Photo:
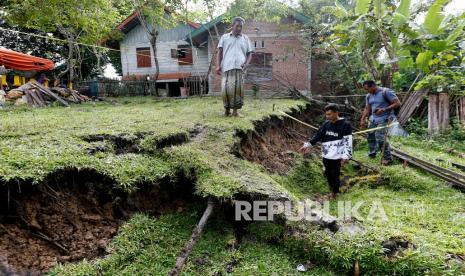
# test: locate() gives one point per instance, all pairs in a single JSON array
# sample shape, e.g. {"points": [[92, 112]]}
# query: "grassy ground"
{"points": [[420, 208], [37, 142], [441, 151], [147, 246]]}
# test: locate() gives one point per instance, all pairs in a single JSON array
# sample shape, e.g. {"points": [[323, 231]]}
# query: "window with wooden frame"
{"points": [[184, 54], [144, 59]]}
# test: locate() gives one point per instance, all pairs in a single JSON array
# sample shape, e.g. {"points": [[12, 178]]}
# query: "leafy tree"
{"points": [[84, 21], [261, 10], [385, 37], [155, 16], [29, 44], [313, 9]]}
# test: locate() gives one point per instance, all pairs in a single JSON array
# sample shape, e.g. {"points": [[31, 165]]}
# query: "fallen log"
{"points": [[185, 252]]}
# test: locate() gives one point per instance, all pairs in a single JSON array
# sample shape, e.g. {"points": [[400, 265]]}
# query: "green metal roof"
{"points": [[300, 16], [207, 26]]}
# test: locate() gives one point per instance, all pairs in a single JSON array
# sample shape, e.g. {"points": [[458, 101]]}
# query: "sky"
{"points": [[456, 7]]}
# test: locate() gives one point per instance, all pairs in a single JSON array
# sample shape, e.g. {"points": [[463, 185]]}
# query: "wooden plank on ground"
{"points": [[29, 99], [36, 98], [48, 92]]}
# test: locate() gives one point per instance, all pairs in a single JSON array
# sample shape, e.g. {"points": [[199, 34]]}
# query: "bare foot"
{"points": [[236, 114], [385, 162]]}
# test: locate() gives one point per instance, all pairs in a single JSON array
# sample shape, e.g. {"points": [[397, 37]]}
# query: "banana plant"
{"points": [[377, 28]]}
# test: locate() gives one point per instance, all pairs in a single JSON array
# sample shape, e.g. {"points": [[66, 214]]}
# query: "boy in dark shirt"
{"points": [[335, 136]]}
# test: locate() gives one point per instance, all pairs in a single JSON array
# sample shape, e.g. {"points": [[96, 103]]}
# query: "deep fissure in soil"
{"points": [[74, 215], [274, 140], [130, 143]]}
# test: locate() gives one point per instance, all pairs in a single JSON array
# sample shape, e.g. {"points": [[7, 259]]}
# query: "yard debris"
{"points": [[301, 268], [37, 95], [20, 101], [70, 95], [187, 249], [395, 245], [305, 267], [2, 98]]}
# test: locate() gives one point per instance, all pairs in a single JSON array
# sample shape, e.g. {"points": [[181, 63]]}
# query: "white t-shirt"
{"points": [[235, 50]]}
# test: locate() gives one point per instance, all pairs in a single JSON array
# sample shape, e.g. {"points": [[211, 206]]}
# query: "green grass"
{"points": [[433, 150], [306, 179], [419, 208], [149, 246], [35, 143]]}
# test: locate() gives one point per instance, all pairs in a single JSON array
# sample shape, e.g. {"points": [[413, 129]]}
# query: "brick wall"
{"points": [[289, 59]]}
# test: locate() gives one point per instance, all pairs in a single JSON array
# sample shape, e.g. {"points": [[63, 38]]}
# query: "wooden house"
{"points": [[186, 51]]}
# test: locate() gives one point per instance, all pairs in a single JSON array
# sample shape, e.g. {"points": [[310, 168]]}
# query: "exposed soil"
{"points": [[122, 143], [129, 143], [395, 246], [274, 139], [73, 217]]}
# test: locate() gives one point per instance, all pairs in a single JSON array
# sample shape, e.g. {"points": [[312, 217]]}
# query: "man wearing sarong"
{"points": [[234, 55]]}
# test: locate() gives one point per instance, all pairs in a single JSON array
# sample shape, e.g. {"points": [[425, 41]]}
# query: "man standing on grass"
{"points": [[335, 136], [380, 105], [234, 55]]}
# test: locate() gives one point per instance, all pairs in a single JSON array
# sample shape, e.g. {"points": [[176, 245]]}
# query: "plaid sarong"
{"points": [[232, 89]]}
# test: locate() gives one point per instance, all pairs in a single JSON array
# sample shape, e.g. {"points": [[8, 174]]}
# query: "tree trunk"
{"points": [[371, 64], [309, 64], [70, 61], [210, 83], [392, 56], [153, 43], [98, 55]]}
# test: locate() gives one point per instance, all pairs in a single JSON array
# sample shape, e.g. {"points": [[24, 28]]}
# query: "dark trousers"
{"points": [[376, 139], [332, 173]]}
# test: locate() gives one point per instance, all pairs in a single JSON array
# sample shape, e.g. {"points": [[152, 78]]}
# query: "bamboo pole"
{"points": [[185, 252]]}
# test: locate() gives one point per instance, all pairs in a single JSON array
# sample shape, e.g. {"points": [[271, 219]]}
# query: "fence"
{"points": [[114, 88]]}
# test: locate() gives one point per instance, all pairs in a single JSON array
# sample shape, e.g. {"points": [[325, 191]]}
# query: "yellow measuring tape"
{"points": [[355, 133], [295, 119]]}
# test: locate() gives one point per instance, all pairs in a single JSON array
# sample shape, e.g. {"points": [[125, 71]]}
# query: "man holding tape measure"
{"points": [[381, 106], [335, 136]]}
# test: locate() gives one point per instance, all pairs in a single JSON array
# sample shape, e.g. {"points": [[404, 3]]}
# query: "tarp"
{"points": [[22, 62]]}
